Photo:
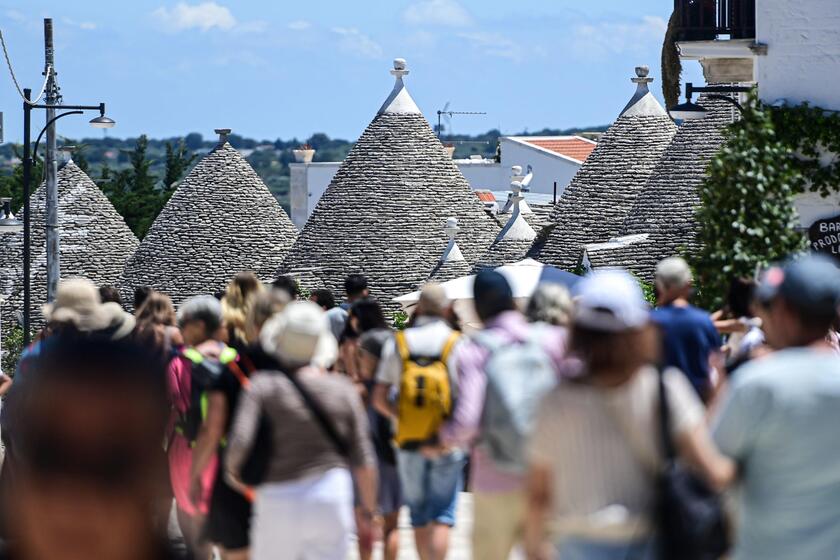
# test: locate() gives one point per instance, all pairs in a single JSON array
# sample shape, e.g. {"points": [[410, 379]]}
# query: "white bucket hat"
{"points": [[77, 302], [299, 336]]}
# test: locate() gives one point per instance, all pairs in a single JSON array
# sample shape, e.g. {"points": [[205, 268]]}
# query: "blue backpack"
{"points": [[519, 374]]}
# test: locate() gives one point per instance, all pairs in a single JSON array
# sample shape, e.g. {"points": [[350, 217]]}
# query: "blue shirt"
{"points": [[780, 421], [688, 338]]}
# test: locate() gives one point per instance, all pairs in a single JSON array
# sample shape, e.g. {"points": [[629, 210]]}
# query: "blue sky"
{"points": [[270, 69]]}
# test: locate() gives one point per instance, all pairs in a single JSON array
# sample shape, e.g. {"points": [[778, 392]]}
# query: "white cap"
{"points": [[610, 300], [300, 336]]}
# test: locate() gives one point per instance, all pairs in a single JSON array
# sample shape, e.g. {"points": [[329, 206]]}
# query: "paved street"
{"points": [[460, 542]]}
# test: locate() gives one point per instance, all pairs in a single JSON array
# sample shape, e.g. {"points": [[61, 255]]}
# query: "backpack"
{"points": [[425, 398], [518, 374], [204, 372]]}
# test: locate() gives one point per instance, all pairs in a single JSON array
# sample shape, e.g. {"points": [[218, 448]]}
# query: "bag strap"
{"points": [[448, 345], [665, 418], [239, 374], [320, 416], [402, 346]]}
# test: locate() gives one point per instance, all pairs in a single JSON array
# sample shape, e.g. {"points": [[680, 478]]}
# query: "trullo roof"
{"points": [[94, 242], [221, 220], [596, 203], [384, 212]]}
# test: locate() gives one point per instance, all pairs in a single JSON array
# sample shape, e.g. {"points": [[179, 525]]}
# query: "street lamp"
{"points": [[690, 111], [98, 122]]}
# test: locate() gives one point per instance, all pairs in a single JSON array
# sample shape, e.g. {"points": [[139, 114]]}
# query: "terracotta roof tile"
{"points": [[572, 147]]}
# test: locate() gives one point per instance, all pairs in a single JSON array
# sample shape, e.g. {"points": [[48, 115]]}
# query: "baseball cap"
{"points": [[610, 300], [811, 284]]}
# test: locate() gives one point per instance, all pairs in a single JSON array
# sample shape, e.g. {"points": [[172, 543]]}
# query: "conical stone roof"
{"points": [[596, 203], [666, 206], [221, 220], [94, 241], [383, 213]]}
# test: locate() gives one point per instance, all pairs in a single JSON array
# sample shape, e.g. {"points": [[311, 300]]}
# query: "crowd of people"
{"points": [[586, 424]]}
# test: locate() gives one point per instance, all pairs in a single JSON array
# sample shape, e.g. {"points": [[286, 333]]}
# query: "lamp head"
{"points": [[102, 122], [688, 111]]}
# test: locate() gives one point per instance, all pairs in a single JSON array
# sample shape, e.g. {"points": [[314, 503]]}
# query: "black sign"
{"points": [[825, 236]]}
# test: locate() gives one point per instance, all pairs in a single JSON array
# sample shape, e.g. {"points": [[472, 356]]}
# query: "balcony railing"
{"points": [[705, 20]]}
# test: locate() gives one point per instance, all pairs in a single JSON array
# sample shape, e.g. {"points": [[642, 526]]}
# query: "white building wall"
{"points": [[484, 174], [803, 51], [547, 167], [307, 184], [802, 64]]}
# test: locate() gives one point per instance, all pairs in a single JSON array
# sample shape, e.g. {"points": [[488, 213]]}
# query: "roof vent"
{"points": [[223, 134]]}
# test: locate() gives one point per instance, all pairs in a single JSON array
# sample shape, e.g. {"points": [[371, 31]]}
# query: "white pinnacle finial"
{"points": [[399, 101], [452, 252]]}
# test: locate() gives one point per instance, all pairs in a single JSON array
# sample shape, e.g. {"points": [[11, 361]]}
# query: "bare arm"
{"points": [[5, 384], [380, 401], [697, 448], [538, 506]]}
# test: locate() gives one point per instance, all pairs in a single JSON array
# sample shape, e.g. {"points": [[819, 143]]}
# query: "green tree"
{"points": [[746, 217], [12, 185], [178, 160], [134, 192]]}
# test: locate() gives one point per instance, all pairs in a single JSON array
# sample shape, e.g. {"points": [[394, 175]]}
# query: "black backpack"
{"points": [[204, 373]]}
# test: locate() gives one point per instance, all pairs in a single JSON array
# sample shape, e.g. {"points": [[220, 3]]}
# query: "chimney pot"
{"points": [[223, 134], [400, 68]]}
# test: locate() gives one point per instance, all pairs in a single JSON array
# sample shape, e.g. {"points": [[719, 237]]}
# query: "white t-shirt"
{"points": [[426, 339], [603, 482]]}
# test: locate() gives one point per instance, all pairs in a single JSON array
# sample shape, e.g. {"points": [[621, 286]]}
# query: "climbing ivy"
{"points": [[746, 215]]}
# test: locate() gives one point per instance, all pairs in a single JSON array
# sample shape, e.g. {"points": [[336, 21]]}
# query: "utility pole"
{"points": [[51, 165]]}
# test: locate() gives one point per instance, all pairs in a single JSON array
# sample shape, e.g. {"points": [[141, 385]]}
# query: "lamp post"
{"points": [[690, 111], [97, 122]]}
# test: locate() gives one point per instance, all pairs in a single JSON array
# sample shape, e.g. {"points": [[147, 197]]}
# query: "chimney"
{"points": [[223, 134], [452, 252]]}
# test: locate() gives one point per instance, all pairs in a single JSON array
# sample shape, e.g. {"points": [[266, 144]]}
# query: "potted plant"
{"points": [[450, 149], [304, 153]]}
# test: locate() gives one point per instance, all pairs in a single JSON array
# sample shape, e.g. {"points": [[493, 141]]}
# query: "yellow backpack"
{"points": [[425, 399]]}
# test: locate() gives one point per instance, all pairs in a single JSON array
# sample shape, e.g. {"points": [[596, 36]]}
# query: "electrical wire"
{"points": [[14, 79]]}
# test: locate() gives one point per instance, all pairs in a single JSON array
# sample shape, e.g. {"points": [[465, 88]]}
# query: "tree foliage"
{"points": [[746, 217]]}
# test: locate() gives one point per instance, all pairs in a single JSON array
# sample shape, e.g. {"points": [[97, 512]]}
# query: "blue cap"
{"points": [[811, 284]]}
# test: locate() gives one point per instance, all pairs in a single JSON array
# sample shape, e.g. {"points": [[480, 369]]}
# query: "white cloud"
{"points": [[83, 25], [437, 12], [606, 38], [299, 25], [494, 44], [204, 16], [15, 15], [356, 42], [87, 25]]}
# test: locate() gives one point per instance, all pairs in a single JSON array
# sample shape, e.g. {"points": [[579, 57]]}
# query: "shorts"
{"points": [[229, 519], [430, 487]]}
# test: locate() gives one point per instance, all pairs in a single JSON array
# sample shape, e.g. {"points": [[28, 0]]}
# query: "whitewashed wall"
{"points": [[803, 51], [547, 167]]}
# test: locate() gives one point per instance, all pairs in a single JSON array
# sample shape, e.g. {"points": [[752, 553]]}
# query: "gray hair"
{"points": [[673, 272], [550, 303], [206, 309]]}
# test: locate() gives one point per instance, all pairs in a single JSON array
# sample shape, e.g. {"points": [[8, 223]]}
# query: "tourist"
{"points": [[335, 314], [355, 288], [596, 450], [110, 293], [689, 338], [738, 323], [508, 356], [287, 284], [236, 303], [779, 419], [374, 335], [365, 315], [430, 484], [229, 518], [140, 295], [304, 505], [88, 454], [550, 304], [199, 318], [157, 324]]}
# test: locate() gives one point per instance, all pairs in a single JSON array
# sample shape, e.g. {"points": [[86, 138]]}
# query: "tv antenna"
{"points": [[447, 114]]}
